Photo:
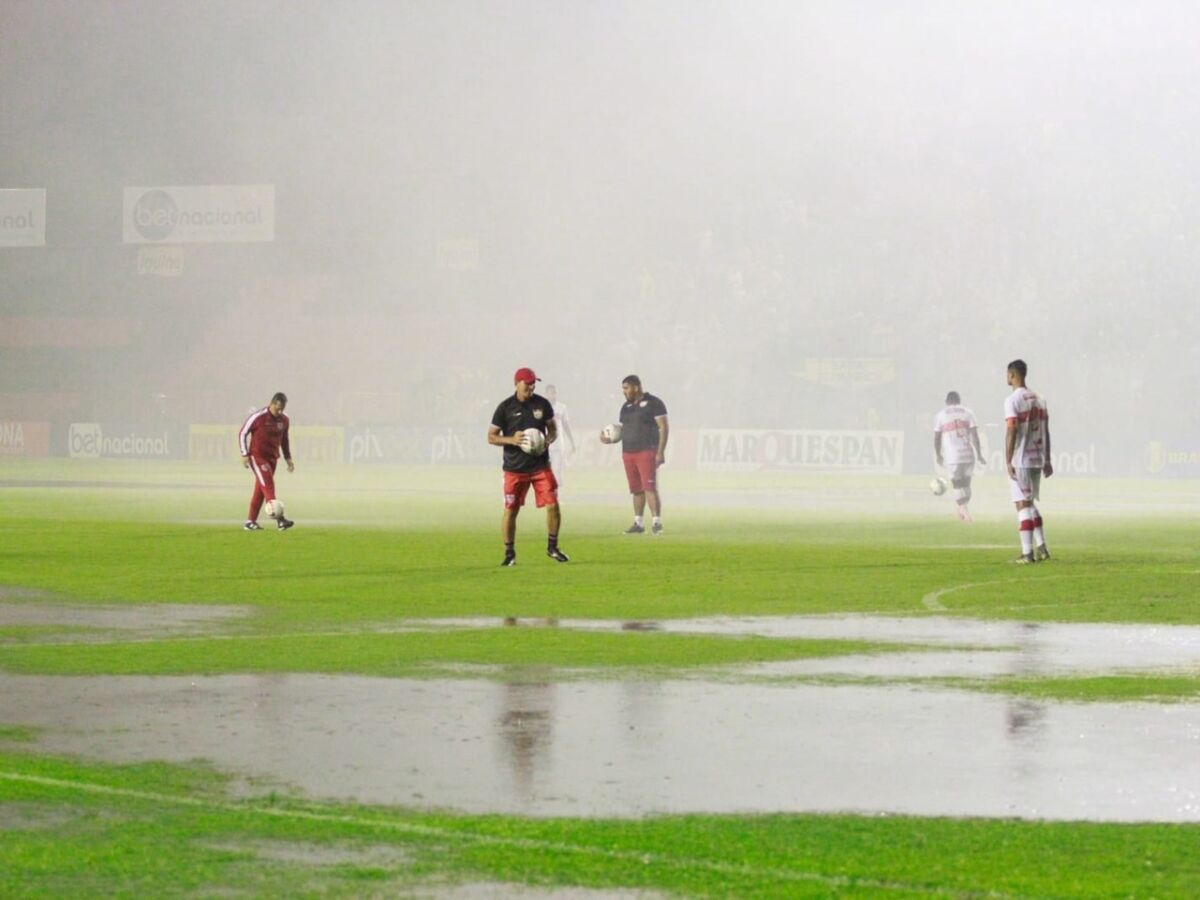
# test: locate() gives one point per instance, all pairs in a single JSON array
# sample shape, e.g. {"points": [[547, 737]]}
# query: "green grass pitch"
{"points": [[374, 549]]}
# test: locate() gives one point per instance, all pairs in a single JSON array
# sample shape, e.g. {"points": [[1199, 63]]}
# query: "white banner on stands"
{"points": [[221, 213], [22, 217]]}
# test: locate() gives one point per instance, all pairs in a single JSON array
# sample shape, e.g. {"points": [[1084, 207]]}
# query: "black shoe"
{"points": [[635, 528], [510, 559], [252, 526], [656, 528], [284, 524], [557, 555]]}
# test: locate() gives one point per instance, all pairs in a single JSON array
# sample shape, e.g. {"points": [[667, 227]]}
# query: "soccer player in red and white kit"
{"points": [[956, 446], [262, 437], [1027, 455], [521, 410]]}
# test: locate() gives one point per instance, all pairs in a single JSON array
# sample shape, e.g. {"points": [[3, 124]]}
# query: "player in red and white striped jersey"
{"points": [[956, 446], [262, 436], [1027, 455]]}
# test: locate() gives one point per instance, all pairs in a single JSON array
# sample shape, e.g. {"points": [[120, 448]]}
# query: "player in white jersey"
{"points": [[956, 446], [557, 456], [1027, 454]]}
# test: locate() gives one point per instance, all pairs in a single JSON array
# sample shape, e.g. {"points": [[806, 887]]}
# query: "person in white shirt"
{"points": [[557, 455], [1027, 455], [956, 447]]}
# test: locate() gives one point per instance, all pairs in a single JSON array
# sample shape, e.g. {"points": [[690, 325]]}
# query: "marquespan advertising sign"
{"points": [[222, 213], [22, 217], [93, 440], [24, 438], [848, 451], [309, 443]]}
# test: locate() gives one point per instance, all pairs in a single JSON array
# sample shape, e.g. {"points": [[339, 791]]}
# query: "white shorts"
{"points": [[961, 471], [1025, 486]]}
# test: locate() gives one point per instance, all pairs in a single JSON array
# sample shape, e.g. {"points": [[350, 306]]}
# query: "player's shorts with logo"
{"points": [[641, 470], [1026, 485], [516, 486]]}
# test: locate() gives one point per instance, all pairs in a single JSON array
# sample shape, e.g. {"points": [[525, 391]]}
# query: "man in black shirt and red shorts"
{"points": [[526, 465], [644, 432]]}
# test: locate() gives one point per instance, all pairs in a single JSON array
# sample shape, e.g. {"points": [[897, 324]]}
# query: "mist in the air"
{"points": [[783, 216]]}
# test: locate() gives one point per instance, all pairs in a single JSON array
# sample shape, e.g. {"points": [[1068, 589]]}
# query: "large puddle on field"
{"points": [[132, 621], [996, 648], [631, 748]]}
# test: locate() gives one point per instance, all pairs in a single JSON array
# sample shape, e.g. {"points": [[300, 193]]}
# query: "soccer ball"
{"points": [[274, 509], [612, 433], [938, 486], [533, 441]]}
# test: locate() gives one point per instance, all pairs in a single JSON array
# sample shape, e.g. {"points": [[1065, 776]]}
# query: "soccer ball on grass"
{"points": [[938, 486], [274, 509]]}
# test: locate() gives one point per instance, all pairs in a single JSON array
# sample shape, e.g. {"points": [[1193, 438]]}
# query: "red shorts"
{"points": [[641, 467], [516, 486], [264, 476]]}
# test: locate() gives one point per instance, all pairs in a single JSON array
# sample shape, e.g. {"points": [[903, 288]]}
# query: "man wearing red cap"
{"points": [[525, 463]]}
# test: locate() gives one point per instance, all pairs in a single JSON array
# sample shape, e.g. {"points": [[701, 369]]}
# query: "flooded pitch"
{"points": [[993, 648], [632, 748]]}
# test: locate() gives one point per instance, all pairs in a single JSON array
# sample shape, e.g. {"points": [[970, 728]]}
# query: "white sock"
{"points": [[1023, 516], [637, 520], [657, 520], [1039, 536]]}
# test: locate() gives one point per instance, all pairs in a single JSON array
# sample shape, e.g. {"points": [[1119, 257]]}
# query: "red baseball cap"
{"points": [[526, 375]]}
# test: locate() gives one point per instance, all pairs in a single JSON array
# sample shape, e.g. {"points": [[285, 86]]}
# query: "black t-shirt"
{"points": [[512, 416], [639, 431]]}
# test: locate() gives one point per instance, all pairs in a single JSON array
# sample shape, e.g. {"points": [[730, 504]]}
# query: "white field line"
{"points": [[932, 600], [639, 858]]}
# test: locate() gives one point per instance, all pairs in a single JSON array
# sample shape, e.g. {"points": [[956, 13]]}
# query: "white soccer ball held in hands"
{"points": [[611, 433], [533, 441]]}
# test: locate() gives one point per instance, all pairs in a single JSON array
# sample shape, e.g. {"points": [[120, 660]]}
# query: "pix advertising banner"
{"points": [[735, 450], [24, 438], [419, 446], [222, 213], [309, 443], [96, 440], [22, 217]]}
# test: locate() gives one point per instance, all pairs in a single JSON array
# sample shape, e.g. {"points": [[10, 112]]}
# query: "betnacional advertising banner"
{"points": [[736, 450], [96, 440], [22, 217], [223, 213]]}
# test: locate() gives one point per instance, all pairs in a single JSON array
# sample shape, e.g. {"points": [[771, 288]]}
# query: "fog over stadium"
{"points": [[782, 215]]}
